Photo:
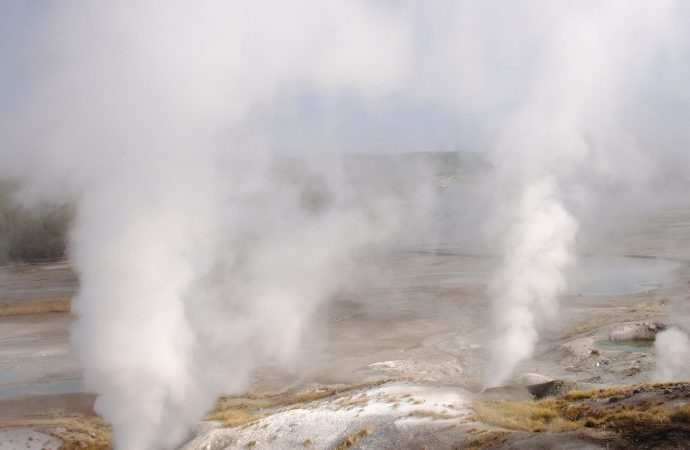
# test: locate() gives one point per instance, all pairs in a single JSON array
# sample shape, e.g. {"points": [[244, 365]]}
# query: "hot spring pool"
{"points": [[620, 275], [632, 345]]}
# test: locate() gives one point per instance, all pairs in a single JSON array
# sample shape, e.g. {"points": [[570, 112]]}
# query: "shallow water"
{"points": [[620, 275], [594, 275], [35, 357], [634, 346], [49, 388]]}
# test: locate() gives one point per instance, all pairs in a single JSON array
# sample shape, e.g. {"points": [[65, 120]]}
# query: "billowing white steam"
{"points": [[538, 247], [672, 348], [567, 128], [199, 258], [199, 255]]}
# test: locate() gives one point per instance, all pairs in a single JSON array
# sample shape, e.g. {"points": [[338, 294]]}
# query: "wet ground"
{"points": [[424, 314], [428, 317], [420, 313], [36, 282], [35, 358]]}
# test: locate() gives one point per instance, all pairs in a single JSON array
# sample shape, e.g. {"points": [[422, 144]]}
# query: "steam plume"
{"points": [[568, 125], [198, 257], [672, 355], [538, 247]]}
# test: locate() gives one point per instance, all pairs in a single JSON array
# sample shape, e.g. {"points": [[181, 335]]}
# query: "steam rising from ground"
{"points": [[672, 355], [672, 346], [200, 256], [567, 129], [538, 247]]}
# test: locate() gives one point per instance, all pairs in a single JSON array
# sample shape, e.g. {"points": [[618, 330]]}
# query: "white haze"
{"points": [[672, 349], [567, 125], [199, 259], [672, 346]]}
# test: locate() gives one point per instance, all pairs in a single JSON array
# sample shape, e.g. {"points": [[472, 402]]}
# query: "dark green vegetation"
{"points": [[32, 233]]}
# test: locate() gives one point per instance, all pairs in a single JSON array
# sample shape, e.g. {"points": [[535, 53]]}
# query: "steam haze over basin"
{"points": [[233, 168]]}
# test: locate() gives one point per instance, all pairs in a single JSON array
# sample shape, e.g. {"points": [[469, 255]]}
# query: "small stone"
{"points": [[614, 399]]}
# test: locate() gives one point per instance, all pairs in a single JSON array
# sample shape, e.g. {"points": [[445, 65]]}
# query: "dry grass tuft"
{"points": [[75, 432], [234, 417], [580, 395], [354, 438], [566, 413], [681, 414], [354, 401], [486, 438], [432, 414], [308, 443], [536, 416], [600, 393], [27, 307], [661, 385]]}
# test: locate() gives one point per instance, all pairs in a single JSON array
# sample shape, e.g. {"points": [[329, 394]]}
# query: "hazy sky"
{"points": [[338, 120], [16, 20], [454, 80]]}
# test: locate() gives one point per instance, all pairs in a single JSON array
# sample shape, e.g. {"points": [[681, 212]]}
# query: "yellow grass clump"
{"points": [[27, 307], [599, 393], [542, 415], [75, 432], [233, 417], [436, 415], [354, 438], [486, 438], [561, 414]]}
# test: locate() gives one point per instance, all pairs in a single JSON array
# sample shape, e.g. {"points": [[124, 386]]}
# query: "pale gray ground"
{"points": [[421, 314], [36, 282], [26, 439], [35, 356]]}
